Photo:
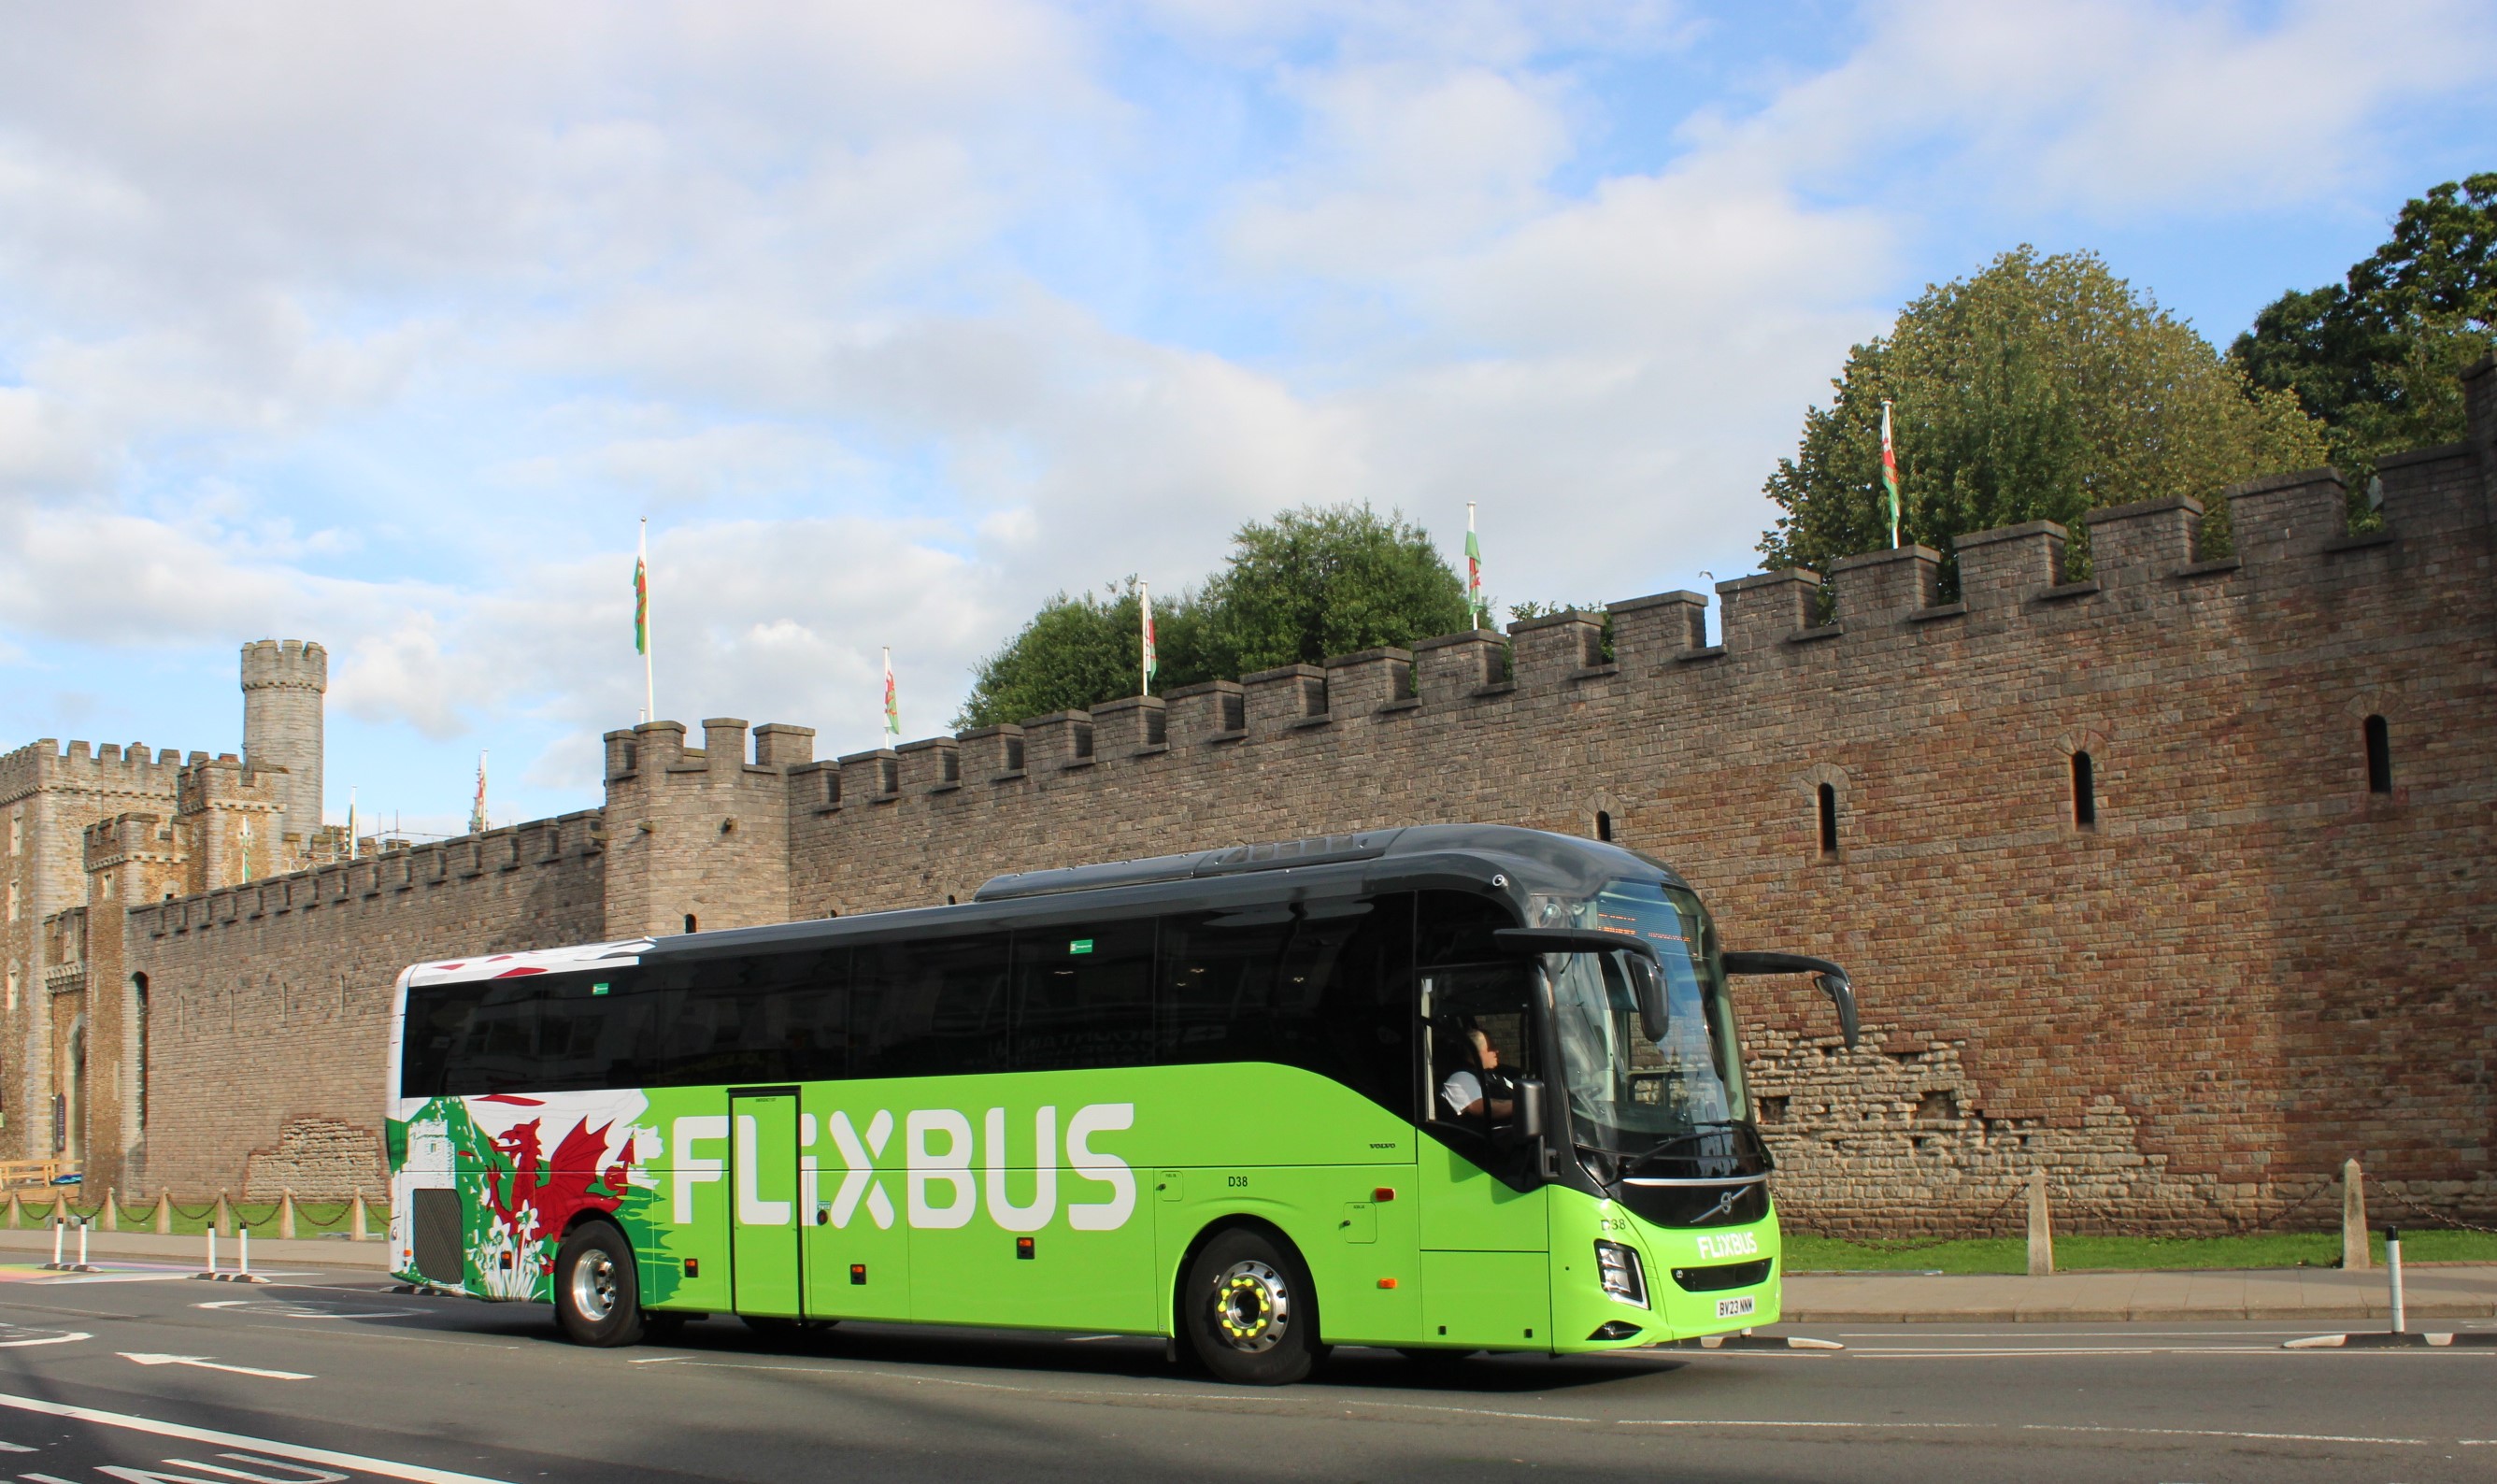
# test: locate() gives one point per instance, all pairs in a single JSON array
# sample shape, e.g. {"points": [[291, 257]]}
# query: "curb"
{"points": [[2144, 1315]]}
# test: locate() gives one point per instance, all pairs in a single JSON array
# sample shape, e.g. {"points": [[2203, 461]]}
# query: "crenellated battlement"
{"points": [[98, 768], [293, 663], [377, 881]]}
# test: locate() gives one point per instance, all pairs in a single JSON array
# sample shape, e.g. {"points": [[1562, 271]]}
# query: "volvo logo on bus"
{"points": [[943, 1186]]}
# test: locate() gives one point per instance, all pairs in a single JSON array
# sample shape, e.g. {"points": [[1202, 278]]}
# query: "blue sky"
{"points": [[382, 327]]}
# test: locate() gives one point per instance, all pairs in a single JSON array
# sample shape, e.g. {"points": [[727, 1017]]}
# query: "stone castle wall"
{"points": [[2248, 967], [2247, 970], [269, 1002]]}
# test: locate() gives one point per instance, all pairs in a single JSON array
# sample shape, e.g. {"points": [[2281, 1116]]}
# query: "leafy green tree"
{"points": [[2039, 387], [2379, 357], [1309, 583], [1078, 652], [1317, 582]]}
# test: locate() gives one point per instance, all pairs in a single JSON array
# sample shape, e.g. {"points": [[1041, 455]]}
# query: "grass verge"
{"points": [[1806, 1254]]}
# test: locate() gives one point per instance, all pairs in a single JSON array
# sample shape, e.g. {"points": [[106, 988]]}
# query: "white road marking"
{"points": [[416, 1474], [16, 1447], [2024, 1426], [63, 1338], [303, 1308], [203, 1362]]}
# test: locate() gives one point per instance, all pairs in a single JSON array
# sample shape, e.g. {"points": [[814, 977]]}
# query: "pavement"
{"points": [[136, 1374], [2455, 1292]]}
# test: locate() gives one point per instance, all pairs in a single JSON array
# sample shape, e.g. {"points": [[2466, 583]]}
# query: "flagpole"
{"points": [[649, 689]]}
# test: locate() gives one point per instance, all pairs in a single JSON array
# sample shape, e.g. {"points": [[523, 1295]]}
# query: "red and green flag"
{"points": [[1474, 568], [1152, 662], [1890, 472], [892, 709]]}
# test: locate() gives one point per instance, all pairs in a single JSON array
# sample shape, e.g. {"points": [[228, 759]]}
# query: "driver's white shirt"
{"points": [[1463, 1089]]}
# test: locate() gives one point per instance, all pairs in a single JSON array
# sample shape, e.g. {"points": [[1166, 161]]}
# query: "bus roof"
{"points": [[1499, 859]]}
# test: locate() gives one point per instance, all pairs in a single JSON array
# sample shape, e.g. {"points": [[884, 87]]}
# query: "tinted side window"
{"points": [[763, 1018], [437, 1027], [1347, 1000], [1456, 927], [499, 1050], [1217, 984], [1084, 995], [931, 1008], [597, 1030]]}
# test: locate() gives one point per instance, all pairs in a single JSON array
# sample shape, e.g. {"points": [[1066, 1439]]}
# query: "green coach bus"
{"points": [[1446, 1089]]}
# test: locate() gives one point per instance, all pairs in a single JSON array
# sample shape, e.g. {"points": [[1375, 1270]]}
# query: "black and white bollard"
{"points": [[2393, 1271]]}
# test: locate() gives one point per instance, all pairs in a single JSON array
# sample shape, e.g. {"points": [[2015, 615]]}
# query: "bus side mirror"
{"points": [[1841, 995], [1529, 1108], [1646, 984]]}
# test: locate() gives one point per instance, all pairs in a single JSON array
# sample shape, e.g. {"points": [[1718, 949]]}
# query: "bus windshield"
{"points": [[1628, 1095]]}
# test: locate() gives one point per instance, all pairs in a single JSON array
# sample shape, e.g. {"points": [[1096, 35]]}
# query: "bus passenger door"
{"points": [[858, 1240], [763, 1182], [1485, 1246]]}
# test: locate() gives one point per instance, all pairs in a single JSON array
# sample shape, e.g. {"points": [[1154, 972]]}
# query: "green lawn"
{"points": [[312, 1218], [2010, 1254]]}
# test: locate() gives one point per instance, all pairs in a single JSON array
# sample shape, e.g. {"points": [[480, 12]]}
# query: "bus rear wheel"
{"points": [[597, 1295], [1249, 1310]]}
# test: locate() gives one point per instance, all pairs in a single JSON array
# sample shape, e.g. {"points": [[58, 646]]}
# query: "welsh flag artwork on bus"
{"points": [[524, 1168]]}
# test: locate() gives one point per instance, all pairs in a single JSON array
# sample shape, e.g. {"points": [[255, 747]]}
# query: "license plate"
{"points": [[1734, 1308]]}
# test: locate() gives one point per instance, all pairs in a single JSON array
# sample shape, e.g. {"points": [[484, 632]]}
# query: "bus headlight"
{"points": [[1618, 1268]]}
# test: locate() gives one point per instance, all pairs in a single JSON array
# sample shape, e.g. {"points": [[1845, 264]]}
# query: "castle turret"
{"points": [[282, 684]]}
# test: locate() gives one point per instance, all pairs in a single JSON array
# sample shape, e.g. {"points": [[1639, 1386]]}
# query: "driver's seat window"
{"points": [[1478, 1044]]}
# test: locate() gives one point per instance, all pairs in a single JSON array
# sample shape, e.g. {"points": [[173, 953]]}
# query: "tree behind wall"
{"points": [[1309, 583], [2039, 387], [2379, 357]]}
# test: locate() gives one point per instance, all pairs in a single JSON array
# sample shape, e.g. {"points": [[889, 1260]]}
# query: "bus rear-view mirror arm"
{"points": [[1638, 962], [1830, 979]]}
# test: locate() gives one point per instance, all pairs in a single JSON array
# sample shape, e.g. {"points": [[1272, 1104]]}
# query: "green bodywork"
{"points": [[1407, 1243]]}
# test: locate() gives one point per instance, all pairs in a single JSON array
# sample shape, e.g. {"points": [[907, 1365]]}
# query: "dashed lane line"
{"points": [[415, 1474]]}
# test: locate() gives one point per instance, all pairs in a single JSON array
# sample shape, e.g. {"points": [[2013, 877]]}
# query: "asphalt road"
{"points": [[112, 1379]]}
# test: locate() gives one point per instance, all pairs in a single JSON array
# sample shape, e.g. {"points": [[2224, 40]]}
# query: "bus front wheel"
{"points": [[597, 1298], [1249, 1310]]}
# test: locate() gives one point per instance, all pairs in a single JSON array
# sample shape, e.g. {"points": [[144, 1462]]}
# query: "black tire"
{"points": [[1249, 1313], [597, 1288]]}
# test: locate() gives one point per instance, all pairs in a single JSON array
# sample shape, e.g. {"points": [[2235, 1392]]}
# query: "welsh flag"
{"points": [[1473, 567], [1153, 660], [1890, 472], [642, 601], [892, 709]]}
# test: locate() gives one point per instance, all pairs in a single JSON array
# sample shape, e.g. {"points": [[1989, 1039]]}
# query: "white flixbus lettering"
{"points": [[950, 1168], [1044, 1173], [691, 1170], [858, 1181], [1106, 1169], [751, 1209]]}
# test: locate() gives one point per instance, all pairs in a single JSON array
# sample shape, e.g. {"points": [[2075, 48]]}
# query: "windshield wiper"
{"points": [[1707, 1129]]}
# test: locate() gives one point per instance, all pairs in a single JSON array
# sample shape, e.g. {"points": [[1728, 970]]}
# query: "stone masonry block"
{"points": [[1359, 685], [990, 753], [2287, 515], [621, 755], [724, 745], [1885, 586], [866, 776], [1761, 611], [1124, 727], [2433, 492], [1214, 708], [1650, 630], [1056, 742], [778, 745], [1282, 696], [1455, 665], [1999, 568], [662, 744], [930, 764], [2137, 542], [1549, 649]]}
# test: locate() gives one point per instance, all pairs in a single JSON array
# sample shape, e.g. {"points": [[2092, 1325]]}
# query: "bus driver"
{"points": [[1464, 1090]]}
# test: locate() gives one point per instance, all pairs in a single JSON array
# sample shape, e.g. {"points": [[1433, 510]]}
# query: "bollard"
{"points": [[213, 1253], [83, 1266], [242, 1256], [110, 1218], [2393, 1271], [286, 1213], [356, 1213], [61, 1207], [56, 1243], [2042, 1229], [16, 1213], [165, 1214], [2353, 1217], [224, 1216]]}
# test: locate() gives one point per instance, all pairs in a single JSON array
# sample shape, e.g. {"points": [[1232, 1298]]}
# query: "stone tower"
{"points": [[282, 684]]}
